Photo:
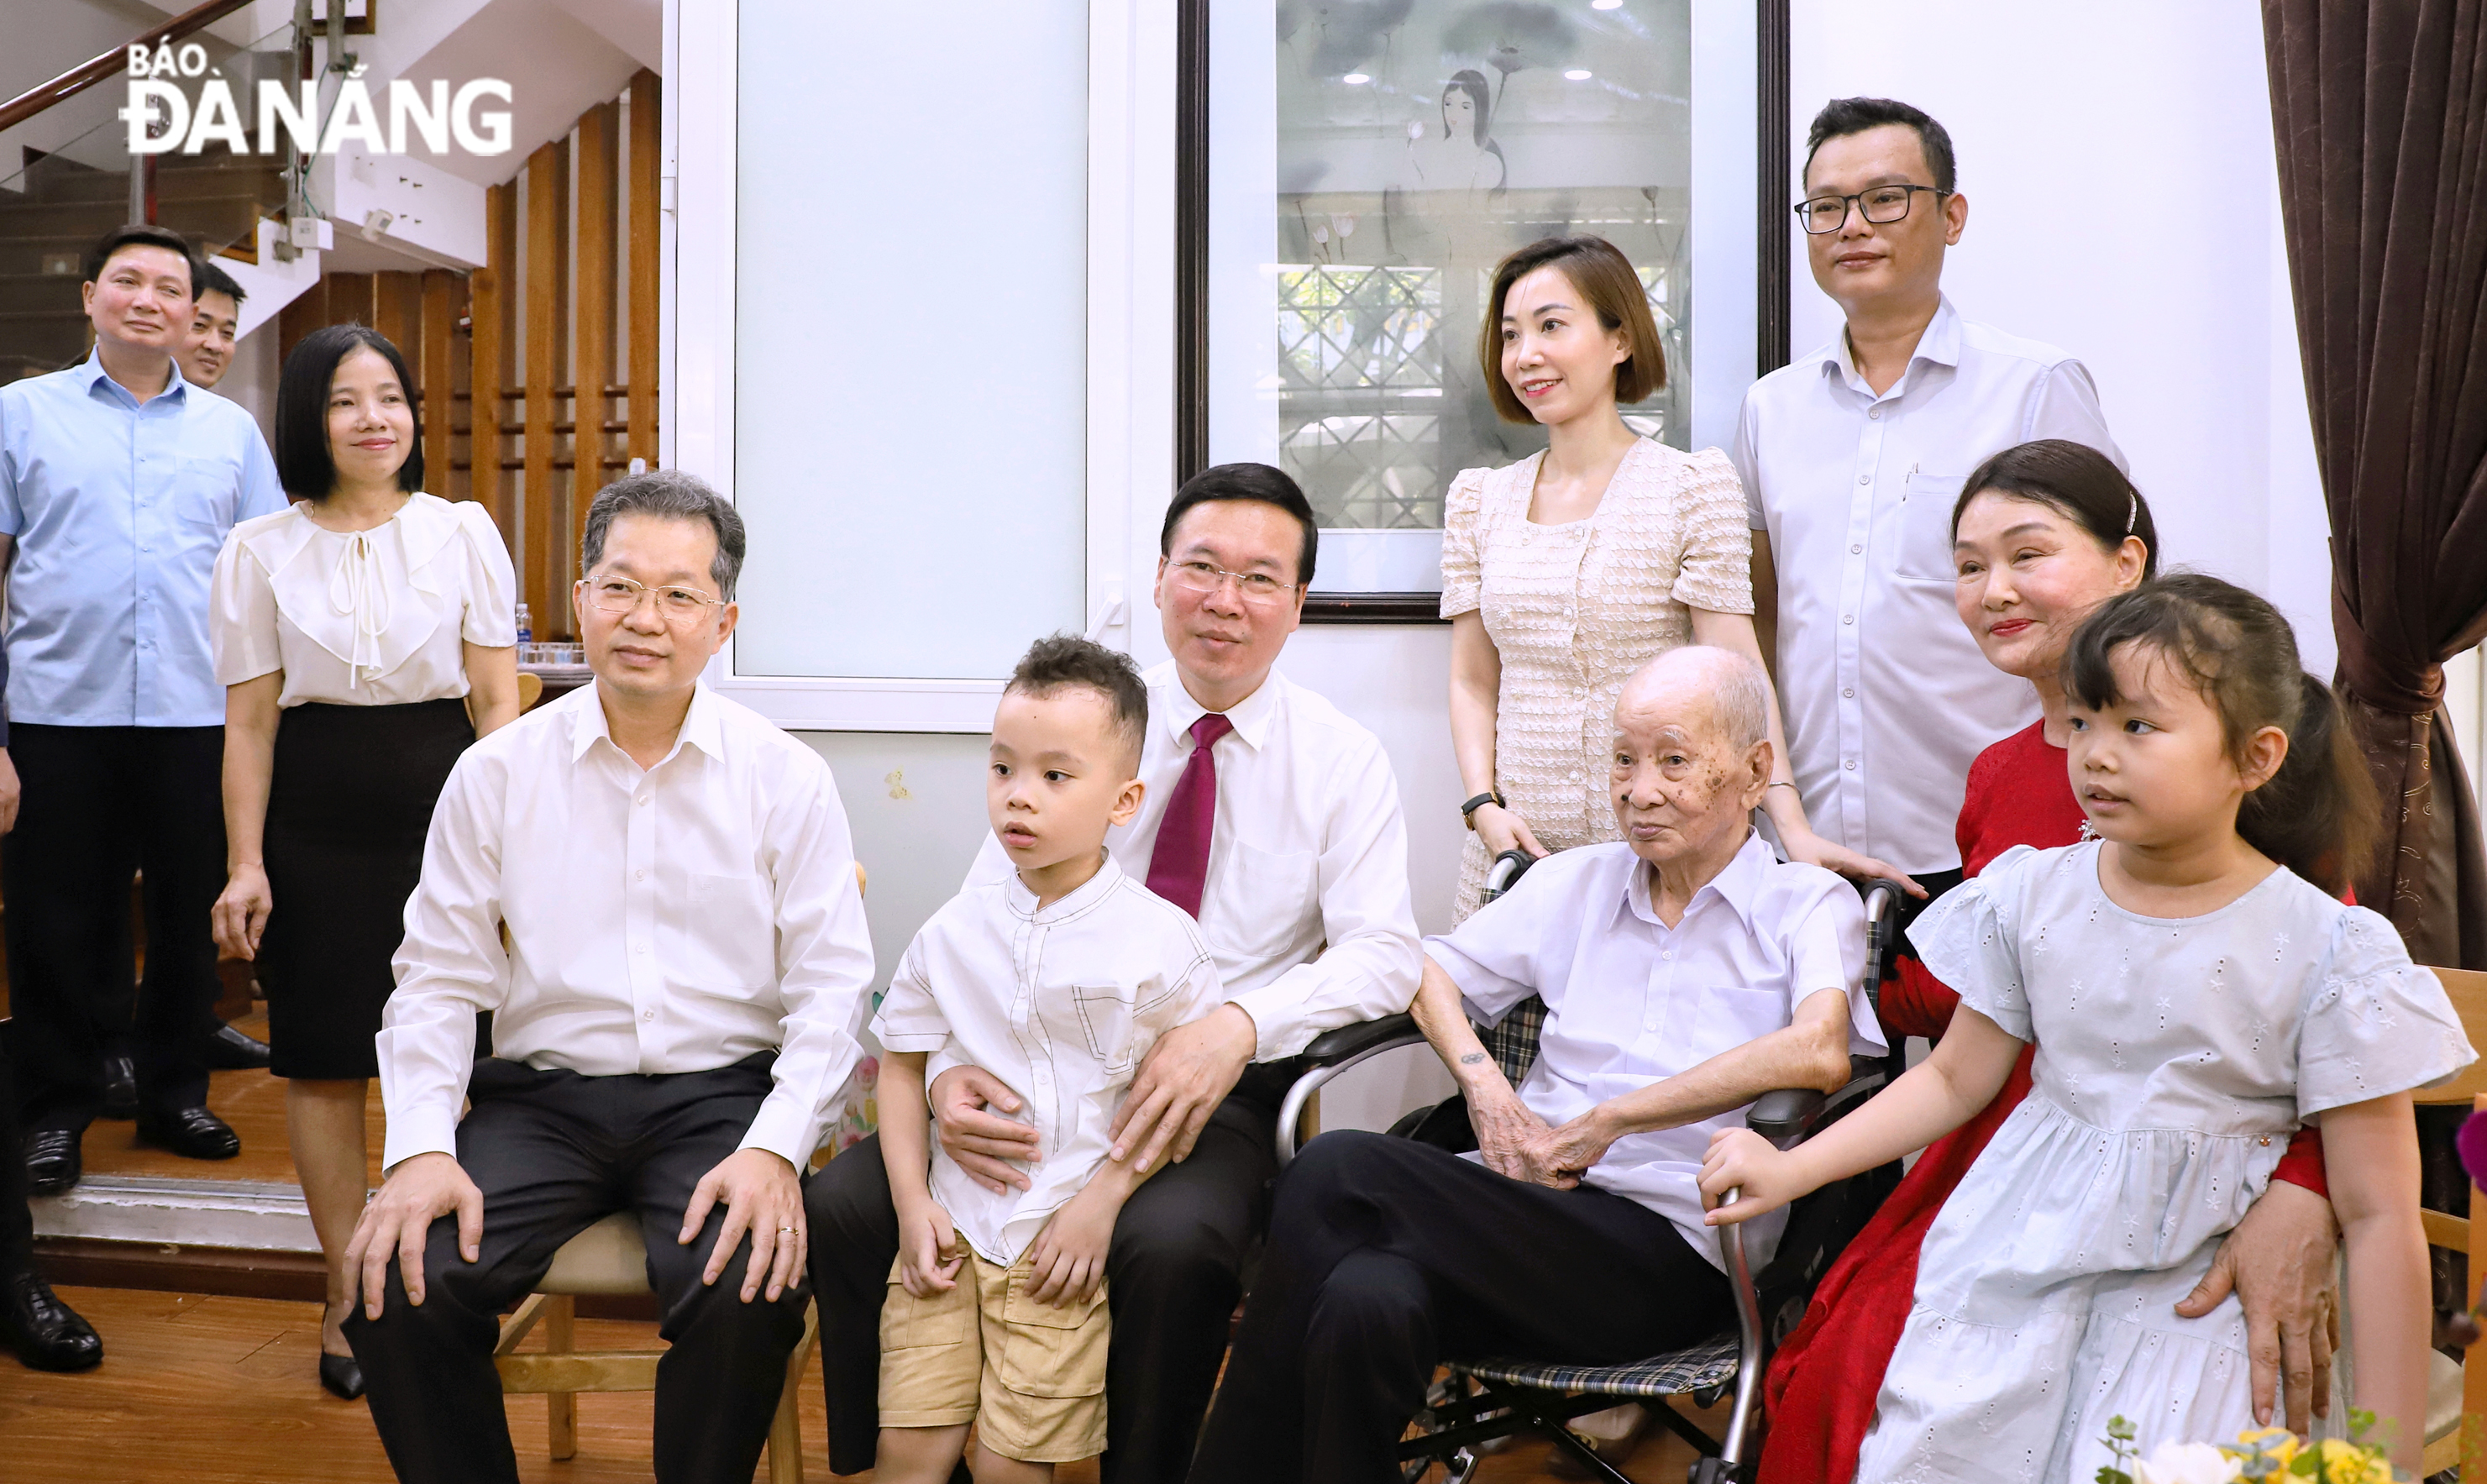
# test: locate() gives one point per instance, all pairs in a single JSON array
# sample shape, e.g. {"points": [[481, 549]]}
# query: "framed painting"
{"points": [[1350, 173]]}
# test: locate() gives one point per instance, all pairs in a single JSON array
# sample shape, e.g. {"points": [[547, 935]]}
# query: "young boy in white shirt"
{"points": [[1057, 979]]}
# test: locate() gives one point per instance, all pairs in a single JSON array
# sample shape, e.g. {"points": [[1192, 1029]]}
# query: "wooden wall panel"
{"points": [[308, 311], [397, 313], [548, 330], [439, 341], [599, 223], [646, 249], [494, 290]]}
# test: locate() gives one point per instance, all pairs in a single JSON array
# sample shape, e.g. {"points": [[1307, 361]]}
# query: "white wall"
{"points": [[2175, 297]]}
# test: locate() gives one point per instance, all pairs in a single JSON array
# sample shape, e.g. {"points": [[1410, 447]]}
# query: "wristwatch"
{"points": [[1468, 811]]}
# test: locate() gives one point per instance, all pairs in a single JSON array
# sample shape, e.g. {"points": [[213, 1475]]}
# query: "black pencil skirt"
{"points": [[348, 808]]}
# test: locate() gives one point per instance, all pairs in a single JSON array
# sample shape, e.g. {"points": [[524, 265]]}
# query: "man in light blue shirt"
{"points": [[118, 483]]}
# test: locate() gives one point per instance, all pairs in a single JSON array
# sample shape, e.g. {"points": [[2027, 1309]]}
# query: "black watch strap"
{"points": [[1468, 811]]}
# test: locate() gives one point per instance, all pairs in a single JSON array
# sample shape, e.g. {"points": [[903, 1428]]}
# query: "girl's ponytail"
{"points": [[2319, 815]]}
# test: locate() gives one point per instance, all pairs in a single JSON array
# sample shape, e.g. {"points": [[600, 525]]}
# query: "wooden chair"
{"points": [[609, 1258], [530, 691], [2457, 1413]]}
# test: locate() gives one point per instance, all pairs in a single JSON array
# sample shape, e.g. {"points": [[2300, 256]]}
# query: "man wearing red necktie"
{"points": [[1274, 820]]}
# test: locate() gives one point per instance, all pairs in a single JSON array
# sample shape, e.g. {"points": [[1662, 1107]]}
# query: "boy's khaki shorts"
{"points": [[1030, 1376]]}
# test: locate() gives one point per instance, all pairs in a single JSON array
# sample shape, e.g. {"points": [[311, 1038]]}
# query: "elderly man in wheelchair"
{"points": [[1685, 974]]}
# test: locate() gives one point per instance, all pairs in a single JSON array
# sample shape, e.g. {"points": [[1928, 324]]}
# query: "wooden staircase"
{"points": [[214, 198]]}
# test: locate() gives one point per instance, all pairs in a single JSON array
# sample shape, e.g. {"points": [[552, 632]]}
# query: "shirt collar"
{"points": [[91, 373], [1252, 716], [1738, 885], [1022, 901], [1940, 344], [702, 726]]}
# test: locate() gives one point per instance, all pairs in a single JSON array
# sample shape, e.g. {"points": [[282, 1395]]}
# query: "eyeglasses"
{"points": [[1257, 587], [679, 606], [1881, 205]]}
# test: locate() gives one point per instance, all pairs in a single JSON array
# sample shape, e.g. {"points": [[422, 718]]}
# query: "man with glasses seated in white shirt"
{"points": [[672, 1013], [1272, 819], [1852, 457]]}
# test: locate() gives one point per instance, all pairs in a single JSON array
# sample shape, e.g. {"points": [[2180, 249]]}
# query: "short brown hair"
{"points": [[1604, 277]]}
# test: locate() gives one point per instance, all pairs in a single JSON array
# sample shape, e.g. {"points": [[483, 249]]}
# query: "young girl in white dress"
{"points": [[2194, 999]]}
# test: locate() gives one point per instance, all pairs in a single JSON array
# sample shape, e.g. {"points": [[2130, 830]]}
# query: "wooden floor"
{"points": [[252, 1101], [207, 1390]]}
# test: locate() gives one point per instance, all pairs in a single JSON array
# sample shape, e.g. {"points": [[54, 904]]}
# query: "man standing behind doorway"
{"points": [[118, 482], [1852, 456]]}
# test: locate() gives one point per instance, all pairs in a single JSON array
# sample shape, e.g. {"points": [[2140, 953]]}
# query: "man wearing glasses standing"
{"points": [[1274, 821], [653, 891], [1852, 457]]}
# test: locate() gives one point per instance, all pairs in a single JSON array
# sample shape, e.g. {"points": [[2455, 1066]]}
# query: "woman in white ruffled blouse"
{"points": [[365, 636]]}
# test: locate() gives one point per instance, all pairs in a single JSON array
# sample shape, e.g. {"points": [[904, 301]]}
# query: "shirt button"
{"points": [[642, 950], [1856, 550], [1876, 412], [1668, 954], [647, 1015], [642, 799], [1850, 765], [1850, 693], [639, 876], [1864, 479], [1848, 618]]}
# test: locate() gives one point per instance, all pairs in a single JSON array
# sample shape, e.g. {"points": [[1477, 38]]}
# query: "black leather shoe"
{"points": [[120, 1086], [341, 1375], [193, 1134], [46, 1333], [52, 1161], [233, 1051]]}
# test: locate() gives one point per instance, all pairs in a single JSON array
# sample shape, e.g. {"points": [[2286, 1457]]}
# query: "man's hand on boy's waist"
{"points": [[977, 1141]]}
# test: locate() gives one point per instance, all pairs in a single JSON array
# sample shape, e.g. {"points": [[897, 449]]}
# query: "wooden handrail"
{"points": [[78, 79]]}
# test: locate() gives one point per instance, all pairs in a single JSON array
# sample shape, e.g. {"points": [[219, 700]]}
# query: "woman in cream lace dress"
{"points": [[1567, 571]]}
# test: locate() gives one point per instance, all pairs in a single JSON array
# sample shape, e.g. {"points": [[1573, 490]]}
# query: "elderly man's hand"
{"points": [[763, 1196], [1505, 1127], [397, 1220], [2280, 1263], [1560, 1157]]}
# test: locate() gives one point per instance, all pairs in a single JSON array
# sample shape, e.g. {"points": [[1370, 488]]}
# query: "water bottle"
{"points": [[527, 628]]}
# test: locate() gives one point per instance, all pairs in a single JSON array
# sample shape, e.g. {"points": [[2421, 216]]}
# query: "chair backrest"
{"points": [[2467, 988]]}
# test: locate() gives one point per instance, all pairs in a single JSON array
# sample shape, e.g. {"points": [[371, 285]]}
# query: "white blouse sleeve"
{"points": [[1969, 939], [241, 617], [2377, 1024], [492, 584]]}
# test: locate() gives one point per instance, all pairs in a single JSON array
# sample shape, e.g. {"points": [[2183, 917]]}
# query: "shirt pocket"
{"points": [[1730, 1015], [204, 495], [1105, 1019], [1925, 527], [910, 1323], [1048, 1351], [1262, 901]]}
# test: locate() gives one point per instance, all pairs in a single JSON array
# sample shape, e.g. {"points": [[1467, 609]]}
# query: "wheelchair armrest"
{"points": [[1349, 1042], [1793, 1115]]}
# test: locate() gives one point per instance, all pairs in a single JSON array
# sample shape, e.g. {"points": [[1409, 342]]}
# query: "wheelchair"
{"points": [[1499, 1396]]}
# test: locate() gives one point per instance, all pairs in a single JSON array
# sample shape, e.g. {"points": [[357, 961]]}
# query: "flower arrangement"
{"points": [[2273, 1453]]}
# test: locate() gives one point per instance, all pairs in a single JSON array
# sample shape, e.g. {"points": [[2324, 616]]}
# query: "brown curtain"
{"points": [[2380, 111]]}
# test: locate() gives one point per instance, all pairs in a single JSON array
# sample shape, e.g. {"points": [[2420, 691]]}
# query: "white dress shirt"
{"points": [[1886, 697], [1061, 1002], [363, 618], [1305, 904], [675, 919], [1630, 1002]]}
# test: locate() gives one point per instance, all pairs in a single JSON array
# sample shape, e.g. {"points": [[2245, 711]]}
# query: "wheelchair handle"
{"points": [[1504, 873]]}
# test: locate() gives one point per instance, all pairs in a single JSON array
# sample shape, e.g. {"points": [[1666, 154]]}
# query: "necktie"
{"points": [[1180, 864]]}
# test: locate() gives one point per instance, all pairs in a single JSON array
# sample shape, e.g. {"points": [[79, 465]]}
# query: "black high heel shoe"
{"points": [[342, 1376]]}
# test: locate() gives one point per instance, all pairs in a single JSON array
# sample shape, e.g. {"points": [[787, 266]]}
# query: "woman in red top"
{"points": [[2043, 534]]}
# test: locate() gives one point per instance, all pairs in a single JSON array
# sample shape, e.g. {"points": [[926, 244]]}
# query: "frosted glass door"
{"points": [[910, 349]]}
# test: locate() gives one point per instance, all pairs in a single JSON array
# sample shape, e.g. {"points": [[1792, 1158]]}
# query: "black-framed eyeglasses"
{"points": [[1880, 204]]}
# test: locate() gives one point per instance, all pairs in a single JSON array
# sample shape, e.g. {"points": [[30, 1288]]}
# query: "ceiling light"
{"points": [[1356, 79], [1578, 74]]}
